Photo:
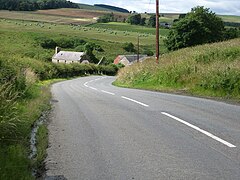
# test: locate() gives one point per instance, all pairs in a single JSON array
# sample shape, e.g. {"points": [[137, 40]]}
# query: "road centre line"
{"points": [[108, 92], [200, 130], [135, 101], [93, 88]]}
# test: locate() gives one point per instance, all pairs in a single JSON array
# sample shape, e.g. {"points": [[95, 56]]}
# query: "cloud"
{"points": [[231, 7]]}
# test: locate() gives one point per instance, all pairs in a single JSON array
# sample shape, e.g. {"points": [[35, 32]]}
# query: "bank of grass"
{"points": [[211, 70], [14, 147]]}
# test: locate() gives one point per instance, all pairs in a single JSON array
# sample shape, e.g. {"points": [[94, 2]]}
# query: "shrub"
{"points": [[65, 43], [148, 52]]}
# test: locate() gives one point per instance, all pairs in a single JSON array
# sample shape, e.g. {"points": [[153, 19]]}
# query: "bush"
{"points": [[65, 43], [148, 52]]}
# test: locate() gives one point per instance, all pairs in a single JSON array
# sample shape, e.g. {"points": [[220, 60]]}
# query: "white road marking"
{"points": [[93, 88], [108, 92], [85, 84], [200, 130], [135, 101]]}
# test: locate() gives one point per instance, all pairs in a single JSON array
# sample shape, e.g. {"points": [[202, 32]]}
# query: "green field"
{"points": [[228, 18], [129, 28]]}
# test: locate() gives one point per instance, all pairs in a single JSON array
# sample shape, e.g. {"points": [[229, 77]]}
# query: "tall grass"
{"points": [[207, 70], [8, 111]]}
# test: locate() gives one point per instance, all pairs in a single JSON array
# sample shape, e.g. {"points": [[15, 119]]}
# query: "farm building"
{"points": [[69, 57], [129, 59]]}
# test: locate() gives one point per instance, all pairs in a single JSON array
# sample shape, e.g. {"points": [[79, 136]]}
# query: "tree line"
{"points": [[32, 5], [113, 8]]}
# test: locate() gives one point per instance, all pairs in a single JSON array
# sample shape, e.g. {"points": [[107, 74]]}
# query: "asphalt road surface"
{"points": [[101, 132]]}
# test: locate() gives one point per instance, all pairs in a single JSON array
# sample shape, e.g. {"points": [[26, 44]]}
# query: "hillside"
{"points": [[207, 70]]}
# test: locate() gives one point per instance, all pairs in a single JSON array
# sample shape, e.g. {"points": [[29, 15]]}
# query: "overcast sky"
{"points": [[229, 7]]}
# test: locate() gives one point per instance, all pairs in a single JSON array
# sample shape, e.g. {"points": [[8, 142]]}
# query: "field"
{"points": [[129, 28], [229, 18], [60, 16], [41, 17]]}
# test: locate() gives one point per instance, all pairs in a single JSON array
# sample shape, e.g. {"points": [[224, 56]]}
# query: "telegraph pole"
{"points": [[157, 31], [138, 50]]}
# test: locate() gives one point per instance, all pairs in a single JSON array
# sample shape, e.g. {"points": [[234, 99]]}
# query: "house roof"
{"points": [[68, 56], [130, 58]]}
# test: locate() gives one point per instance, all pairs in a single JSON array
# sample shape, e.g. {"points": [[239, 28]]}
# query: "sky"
{"points": [[224, 7]]}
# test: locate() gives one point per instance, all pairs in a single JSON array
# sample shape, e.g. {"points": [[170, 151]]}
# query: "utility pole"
{"points": [[157, 31], [138, 49]]}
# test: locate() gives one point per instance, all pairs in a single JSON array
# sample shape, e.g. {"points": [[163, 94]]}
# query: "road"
{"points": [[99, 131]]}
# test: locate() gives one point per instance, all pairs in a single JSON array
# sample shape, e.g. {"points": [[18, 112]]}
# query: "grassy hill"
{"points": [[107, 38], [211, 70]]}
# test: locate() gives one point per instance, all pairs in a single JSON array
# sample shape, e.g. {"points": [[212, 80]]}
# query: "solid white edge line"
{"points": [[200, 130], [135, 101], [108, 92]]}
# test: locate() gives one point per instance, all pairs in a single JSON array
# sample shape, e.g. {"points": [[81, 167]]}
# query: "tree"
{"points": [[152, 21], [106, 18], [143, 21], [134, 19], [129, 47], [89, 47], [200, 26]]}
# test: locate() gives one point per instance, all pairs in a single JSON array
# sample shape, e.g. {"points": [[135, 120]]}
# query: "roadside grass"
{"points": [[14, 150], [211, 70]]}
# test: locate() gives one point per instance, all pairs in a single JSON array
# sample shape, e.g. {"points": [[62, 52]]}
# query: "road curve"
{"points": [[99, 131]]}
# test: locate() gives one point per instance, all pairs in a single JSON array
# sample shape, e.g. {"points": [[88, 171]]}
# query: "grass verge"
{"points": [[15, 149], [211, 70]]}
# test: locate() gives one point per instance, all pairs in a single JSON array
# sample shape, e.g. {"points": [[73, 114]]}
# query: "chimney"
{"points": [[57, 50]]}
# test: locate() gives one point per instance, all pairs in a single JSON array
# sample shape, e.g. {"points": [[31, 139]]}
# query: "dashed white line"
{"points": [[200, 130], [93, 88], [135, 101], [108, 92]]}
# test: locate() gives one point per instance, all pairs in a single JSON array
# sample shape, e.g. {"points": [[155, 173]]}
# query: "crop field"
{"points": [[59, 16], [30, 16], [79, 13], [131, 28]]}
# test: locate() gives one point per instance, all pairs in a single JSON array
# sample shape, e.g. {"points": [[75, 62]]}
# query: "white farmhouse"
{"points": [[69, 57]]}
